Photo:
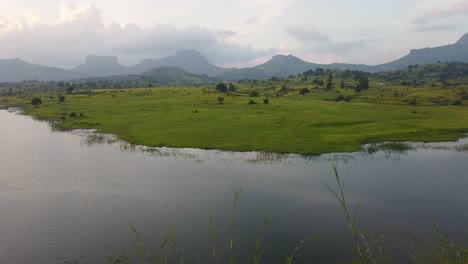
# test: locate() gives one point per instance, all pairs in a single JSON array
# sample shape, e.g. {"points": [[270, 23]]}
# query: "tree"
{"points": [[70, 89], [304, 91], [254, 94], [251, 102], [36, 101], [317, 82], [231, 88], [266, 101], [363, 83], [221, 87], [330, 82], [220, 100], [61, 98]]}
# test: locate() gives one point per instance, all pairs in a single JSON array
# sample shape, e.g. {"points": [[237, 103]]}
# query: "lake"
{"points": [[69, 194]]}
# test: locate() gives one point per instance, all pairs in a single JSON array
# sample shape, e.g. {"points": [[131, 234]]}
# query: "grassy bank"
{"points": [[313, 123]]}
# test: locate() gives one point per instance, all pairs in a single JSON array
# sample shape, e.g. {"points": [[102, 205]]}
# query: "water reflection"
{"points": [[58, 189], [386, 150]]}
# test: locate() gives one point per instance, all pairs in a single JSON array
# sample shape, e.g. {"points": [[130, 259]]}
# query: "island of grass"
{"points": [[313, 113]]}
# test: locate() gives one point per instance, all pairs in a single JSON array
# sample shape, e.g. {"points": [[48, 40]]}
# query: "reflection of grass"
{"points": [[439, 250], [389, 147], [368, 247], [463, 148]]}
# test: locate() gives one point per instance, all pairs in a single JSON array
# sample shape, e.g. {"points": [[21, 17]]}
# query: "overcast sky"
{"points": [[229, 33]]}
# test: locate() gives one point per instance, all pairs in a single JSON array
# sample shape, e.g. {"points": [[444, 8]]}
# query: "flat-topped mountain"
{"points": [[100, 66], [189, 60]]}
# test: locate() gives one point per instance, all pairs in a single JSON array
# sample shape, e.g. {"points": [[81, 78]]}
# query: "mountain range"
{"points": [[14, 70]]}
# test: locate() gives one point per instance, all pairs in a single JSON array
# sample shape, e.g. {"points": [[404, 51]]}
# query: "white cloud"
{"points": [[82, 31], [458, 9], [307, 34]]}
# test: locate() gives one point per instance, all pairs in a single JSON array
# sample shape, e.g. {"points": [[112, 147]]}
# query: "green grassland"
{"points": [[313, 123]]}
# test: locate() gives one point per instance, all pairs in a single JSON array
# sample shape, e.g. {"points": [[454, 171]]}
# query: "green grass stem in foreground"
{"points": [[369, 248]]}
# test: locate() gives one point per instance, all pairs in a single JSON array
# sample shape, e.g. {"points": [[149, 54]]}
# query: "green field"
{"points": [[308, 124]]}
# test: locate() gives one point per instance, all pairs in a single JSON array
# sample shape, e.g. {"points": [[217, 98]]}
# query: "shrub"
{"points": [[221, 87], [61, 98], [304, 91], [253, 94], [251, 102], [72, 114], [266, 101], [36, 101]]}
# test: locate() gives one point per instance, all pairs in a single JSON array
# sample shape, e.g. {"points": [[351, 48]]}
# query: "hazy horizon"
{"points": [[230, 34]]}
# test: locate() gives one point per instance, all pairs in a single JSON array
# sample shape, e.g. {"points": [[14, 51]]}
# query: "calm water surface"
{"points": [[69, 194]]}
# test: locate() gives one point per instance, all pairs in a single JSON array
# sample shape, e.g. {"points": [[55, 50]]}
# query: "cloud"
{"points": [[82, 31], [342, 47], [459, 9], [307, 34], [314, 41], [432, 28], [251, 20]]}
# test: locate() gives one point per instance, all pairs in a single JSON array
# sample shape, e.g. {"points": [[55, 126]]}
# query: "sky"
{"points": [[235, 33]]}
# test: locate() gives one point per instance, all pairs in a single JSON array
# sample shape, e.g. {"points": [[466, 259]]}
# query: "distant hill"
{"points": [[176, 76], [454, 52], [16, 70], [189, 60], [283, 66], [158, 76], [98, 66]]}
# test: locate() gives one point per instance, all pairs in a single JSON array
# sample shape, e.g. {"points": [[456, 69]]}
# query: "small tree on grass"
{"points": [[251, 102], [254, 94], [231, 87], [304, 91], [61, 98], [220, 100], [36, 101], [266, 101], [221, 87]]}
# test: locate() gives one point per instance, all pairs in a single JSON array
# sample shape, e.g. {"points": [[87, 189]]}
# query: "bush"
{"points": [[266, 101], [61, 98], [36, 101], [231, 88], [220, 100], [253, 94], [72, 114], [304, 91], [251, 102], [221, 87]]}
